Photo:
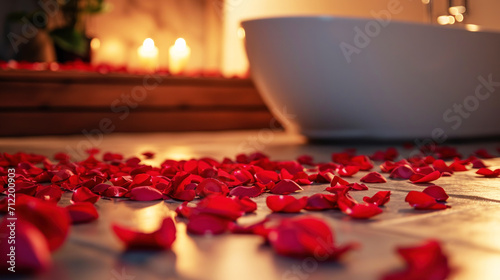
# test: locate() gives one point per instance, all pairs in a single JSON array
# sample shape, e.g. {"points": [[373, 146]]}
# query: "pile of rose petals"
{"points": [[221, 192]]}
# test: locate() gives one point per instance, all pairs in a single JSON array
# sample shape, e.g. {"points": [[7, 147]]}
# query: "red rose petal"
{"points": [[49, 193], [423, 262], [115, 191], [337, 188], [258, 228], [211, 186], [32, 253], [373, 177], [441, 166], [285, 203], [306, 160], [145, 194], [51, 220], [348, 171], [82, 212], [207, 224], [319, 201], [337, 180], [437, 192], [286, 187], [148, 155], [266, 177], [421, 178], [483, 153], [488, 173], [422, 201], [242, 191], [357, 187], [221, 206], [363, 211], [477, 163], [163, 238], [247, 205], [457, 166], [305, 237], [402, 172], [379, 199], [83, 194]]}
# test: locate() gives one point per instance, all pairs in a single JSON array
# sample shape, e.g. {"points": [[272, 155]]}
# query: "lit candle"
{"points": [[148, 55], [178, 56]]}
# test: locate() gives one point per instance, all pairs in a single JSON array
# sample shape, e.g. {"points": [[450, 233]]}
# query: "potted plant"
{"points": [[60, 30]]}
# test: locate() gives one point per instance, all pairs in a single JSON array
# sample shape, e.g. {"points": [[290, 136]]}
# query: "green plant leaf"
{"points": [[70, 39]]}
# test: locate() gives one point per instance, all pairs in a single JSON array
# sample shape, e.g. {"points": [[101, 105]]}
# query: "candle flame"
{"points": [[148, 43], [180, 43]]}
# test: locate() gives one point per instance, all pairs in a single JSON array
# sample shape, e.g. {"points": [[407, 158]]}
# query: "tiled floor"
{"points": [[469, 231]]}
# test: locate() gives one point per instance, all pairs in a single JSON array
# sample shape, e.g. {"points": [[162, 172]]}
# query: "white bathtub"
{"points": [[333, 77]]}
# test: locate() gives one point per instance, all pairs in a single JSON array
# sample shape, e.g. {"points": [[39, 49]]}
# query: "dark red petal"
{"points": [[145, 194], [51, 220], [211, 186], [83, 194], [247, 205], [157, 240], [221, 206], [379, 199], [82, 212], [483, 153], [115, 191], [422, 201], [148, 155], [306, 160], [285, 203], [488, 172], [338, 188], [357, 187], [183, 210], [423, 262], [32, 253], [207, 224], [402, 172], [437, 192], [348, 171], [286, 186], [305, 237], [258, 228], [319, 201], [363, 211], [373, 177], [477, 163], [337, 180], [441, 166], [457, 166], [421, 178], [266, 176], [242, 191], [49, 193]]}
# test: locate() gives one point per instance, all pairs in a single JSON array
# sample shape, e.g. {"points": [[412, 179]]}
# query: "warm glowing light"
{"points": [[95, 44], [148, 219], [459, 18], [241, 33], [443, 20], [178, 56], [148, 55], [179, 153], [455, 10], [451, 19], [472, 27], [425, 1], [110, 51]]}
